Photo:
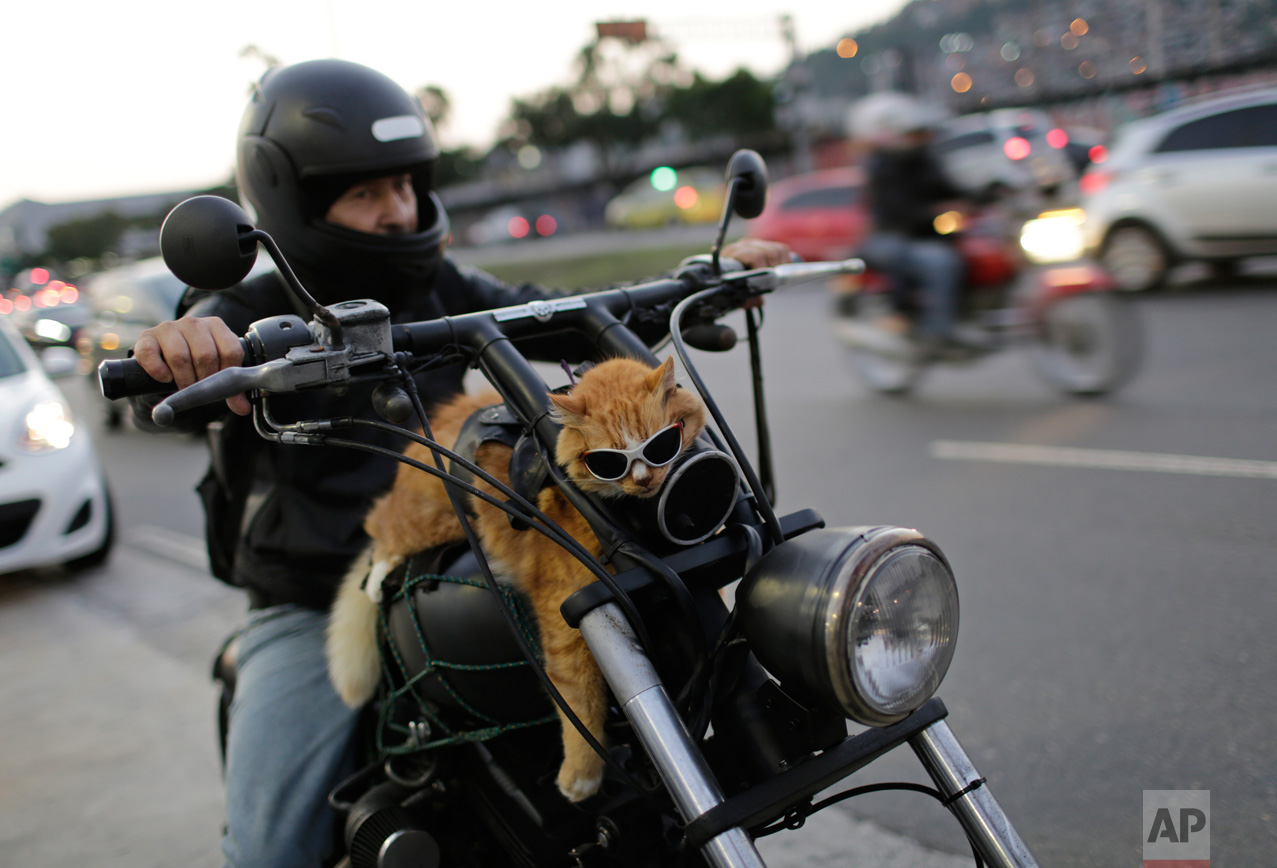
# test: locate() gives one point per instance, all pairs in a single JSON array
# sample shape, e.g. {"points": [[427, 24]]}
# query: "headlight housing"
{"points": [[865, 618], [47, 427]]}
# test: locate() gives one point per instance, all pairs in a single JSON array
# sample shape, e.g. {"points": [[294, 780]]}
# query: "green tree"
{"points": [[89, 237], [436, 103], [739, 105]]}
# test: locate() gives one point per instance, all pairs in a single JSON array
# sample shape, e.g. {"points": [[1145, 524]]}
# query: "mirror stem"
{"points": [[323, 314], [729, 202]]}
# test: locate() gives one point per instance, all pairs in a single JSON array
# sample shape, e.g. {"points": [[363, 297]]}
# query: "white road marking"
{"points": [[180, 547], [1107, 459]]}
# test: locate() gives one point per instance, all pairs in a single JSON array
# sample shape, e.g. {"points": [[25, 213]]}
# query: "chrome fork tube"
{"points": [[638, 689], [969, 799]]}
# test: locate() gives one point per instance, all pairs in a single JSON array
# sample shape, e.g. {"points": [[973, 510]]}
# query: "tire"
{"points": [[1089, 344], [98, 556], [1136, 257], [886, 374]]}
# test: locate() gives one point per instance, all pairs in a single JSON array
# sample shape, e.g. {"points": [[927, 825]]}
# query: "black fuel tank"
{"points": [[478, 668]]}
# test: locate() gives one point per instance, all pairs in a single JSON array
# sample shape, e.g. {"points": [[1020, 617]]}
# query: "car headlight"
{"points": [[48, 427], [865, 618], [1054, 236]]}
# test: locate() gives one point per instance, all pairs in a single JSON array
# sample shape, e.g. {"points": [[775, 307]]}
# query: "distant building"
{"points": [[24, 225]]}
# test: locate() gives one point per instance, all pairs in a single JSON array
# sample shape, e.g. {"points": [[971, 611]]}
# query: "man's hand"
{"points": [[757, 253], [190, 349]]}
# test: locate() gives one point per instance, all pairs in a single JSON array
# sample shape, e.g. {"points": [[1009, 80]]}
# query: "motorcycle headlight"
{"points": [[1055, 236], [865, 618], [48, 427]]}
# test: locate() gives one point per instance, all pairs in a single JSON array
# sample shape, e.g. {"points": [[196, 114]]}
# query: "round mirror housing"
{"points": [[747, 169], [208, 242]]}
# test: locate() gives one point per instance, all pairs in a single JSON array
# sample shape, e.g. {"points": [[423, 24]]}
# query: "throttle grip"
{"points": [[124, 378]]}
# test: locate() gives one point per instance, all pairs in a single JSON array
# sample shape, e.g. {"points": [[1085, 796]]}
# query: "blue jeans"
{"points": [[932, 265], [290, 742]]}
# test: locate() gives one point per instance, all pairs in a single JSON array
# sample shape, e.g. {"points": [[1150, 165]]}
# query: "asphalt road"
{"points": [[1115, 623]]}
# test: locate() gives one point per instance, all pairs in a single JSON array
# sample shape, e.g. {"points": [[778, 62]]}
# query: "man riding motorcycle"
{"points": [[335, 161]]}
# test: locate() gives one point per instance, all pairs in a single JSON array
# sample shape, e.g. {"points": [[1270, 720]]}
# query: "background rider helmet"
{"points": [[310, 131], [890, 119]]}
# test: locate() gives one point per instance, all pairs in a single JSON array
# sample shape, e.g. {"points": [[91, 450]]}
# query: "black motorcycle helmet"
{"points": [[310, 131]]}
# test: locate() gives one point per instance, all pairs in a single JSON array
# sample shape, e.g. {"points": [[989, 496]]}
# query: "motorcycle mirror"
{"points": [[206, 243], [749, 171]]}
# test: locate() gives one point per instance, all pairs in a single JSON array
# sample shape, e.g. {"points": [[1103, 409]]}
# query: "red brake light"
{"points": [[1098, 154], [1017, 148], [518, 227], [1057, 138], [1094, 181], [546, 225]]}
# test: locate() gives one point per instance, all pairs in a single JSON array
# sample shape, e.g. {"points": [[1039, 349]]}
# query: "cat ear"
{"points": [[661, 380], [568, 405]]}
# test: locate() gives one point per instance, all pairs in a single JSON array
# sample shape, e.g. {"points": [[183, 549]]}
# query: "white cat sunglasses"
{"points": [[609, 465]]}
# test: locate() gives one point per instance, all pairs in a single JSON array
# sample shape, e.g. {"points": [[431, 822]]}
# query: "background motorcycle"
{"points": [[725, 724], [1082, 337]]}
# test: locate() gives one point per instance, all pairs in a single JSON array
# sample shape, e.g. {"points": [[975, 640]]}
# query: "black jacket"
{"points": [[307, 504], [904, 187]]}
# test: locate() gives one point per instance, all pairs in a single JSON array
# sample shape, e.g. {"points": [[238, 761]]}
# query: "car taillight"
{"points": [[1098, 154], [1094, 181], [1017, 147]]}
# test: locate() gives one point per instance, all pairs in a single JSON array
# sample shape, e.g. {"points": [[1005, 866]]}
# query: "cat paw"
{"points": [[575, 787]]}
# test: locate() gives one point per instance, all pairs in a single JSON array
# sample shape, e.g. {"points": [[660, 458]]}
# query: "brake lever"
{"points": [[280, 375], [762, 280]]}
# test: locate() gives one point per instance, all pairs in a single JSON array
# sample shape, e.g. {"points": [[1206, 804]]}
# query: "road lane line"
{"points": [[1106, 459], [180, 547]]}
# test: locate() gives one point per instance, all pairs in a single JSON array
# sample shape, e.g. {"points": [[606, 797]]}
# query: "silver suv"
{"points": [[1198, 182]]}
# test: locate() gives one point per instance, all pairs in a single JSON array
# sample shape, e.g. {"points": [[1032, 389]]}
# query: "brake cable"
{"points": [[760, 495]]}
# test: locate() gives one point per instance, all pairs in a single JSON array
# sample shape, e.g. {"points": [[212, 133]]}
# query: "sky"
{"points": [[103, 98]]}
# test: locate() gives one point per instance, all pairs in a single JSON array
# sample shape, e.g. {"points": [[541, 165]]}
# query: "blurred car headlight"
{"points": [[52, 330], [48, 427], [865, 618], [1054, 236]]}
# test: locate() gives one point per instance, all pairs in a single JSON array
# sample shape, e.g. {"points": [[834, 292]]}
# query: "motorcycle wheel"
{"points": [[1088, 344], [885, 373]]}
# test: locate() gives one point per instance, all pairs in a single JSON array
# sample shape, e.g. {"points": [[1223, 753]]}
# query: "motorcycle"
{"points": [[1083, 337], [725, 723]]}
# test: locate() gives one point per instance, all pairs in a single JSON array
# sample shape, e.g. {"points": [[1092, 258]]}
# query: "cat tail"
{"points": [[354, 659]]}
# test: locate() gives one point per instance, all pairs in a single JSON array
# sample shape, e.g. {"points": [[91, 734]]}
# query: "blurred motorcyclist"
{"points": [[907, 189]]}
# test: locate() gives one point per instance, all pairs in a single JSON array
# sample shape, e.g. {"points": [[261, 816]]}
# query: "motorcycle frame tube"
{"points": [[972, 802], [642, 697]]}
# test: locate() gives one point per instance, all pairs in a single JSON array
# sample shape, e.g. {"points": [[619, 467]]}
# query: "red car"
{"points": [[821, 215]]}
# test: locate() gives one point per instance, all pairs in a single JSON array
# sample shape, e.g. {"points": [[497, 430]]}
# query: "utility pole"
{"points": [[799, 79]]}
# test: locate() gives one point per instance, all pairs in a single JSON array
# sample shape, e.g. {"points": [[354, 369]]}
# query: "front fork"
{"points": [[988, 828], [695, 791]]}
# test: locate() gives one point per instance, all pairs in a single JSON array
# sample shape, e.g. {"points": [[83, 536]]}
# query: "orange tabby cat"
{"points": [[617, 405]]}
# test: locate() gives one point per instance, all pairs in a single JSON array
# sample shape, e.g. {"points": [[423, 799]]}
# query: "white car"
{"points": [[55, 508], [1198, 182], [1005, 150]]}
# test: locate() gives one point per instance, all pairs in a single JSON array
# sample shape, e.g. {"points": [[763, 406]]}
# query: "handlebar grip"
{"points": [[124, 378]]}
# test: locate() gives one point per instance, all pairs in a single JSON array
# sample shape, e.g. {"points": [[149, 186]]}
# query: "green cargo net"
{"points": [[403, 709]]}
